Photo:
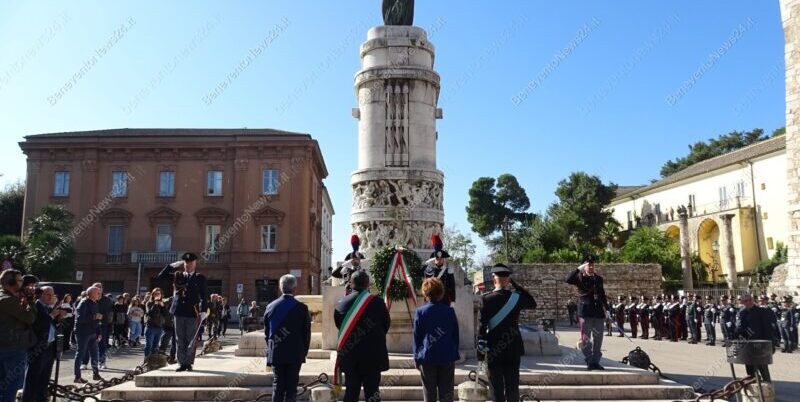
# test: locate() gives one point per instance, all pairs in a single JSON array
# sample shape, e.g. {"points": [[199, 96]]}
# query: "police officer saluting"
{"points": [[188, 305], [592, 309], [500, 332], [436, 267]]}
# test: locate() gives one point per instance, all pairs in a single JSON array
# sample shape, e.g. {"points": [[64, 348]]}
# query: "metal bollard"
{"points": [[751, 393], [322, 393], [472, 391]]}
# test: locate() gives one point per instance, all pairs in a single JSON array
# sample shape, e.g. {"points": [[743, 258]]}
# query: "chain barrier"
{"points": [[473, 376], [730, 389], [87, 392], [321, 379]]}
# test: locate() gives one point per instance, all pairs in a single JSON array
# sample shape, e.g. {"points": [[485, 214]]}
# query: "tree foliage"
{"points": [[649, 244], [12, 199], [12, 249], [460, 246], [713, 147], [580, 210], [50, 252], [491, 202]]}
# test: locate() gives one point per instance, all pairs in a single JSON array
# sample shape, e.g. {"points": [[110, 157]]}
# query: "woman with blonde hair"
{"points": [[436, 342]]}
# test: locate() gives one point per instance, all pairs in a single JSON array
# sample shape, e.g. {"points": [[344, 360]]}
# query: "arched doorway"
{"points": [[673, 233], [708, 246]]}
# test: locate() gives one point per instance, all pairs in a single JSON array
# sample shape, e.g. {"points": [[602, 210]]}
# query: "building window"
{"points": [[212, 239], [723, 197], [268, 237], [770, 245], [740, 188], [119, 184], [163, 238], [271, 181], [763, 186], [116, 235], [215, 182], [166, 184], [61, 184]]}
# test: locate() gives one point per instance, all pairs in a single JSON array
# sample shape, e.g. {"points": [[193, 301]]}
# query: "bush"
{"points": [[763, 271], [651, 245], [536, 255], [609, 256], [565, 255], [11, 248]]}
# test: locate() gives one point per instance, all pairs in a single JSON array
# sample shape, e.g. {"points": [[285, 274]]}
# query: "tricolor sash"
{"points": [[348, 324], [505, 311], [398, 266]]}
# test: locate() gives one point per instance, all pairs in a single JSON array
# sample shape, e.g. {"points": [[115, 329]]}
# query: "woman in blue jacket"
{"points": [[436, 342]]}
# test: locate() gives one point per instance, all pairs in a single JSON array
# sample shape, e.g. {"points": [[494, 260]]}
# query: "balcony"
{"points": [[115, 258], [155, 257]]}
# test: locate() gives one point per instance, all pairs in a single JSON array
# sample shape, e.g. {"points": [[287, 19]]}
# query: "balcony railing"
{"points": [[155, 257], [114, 258], [664, 216]]}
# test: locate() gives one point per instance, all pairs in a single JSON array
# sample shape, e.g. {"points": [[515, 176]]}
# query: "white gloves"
{"points": [[583, 266], [177, 264], [728, 324], [608, 315], [203, 316]]}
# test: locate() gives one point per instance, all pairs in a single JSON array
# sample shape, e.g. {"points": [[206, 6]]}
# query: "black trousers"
{"points": [[438, 381], [284, 382], [763, 370], [355, 379], [711, 331], [504, 377], [37, 376]]}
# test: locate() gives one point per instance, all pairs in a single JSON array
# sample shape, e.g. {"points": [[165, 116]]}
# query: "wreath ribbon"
{"points": [[398, 266]]}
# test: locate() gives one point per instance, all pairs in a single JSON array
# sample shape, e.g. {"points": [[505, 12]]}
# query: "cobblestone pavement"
{"points": [[701, 365]]}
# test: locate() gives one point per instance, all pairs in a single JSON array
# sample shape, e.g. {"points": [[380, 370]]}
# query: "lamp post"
{"points": [[715, 263]]}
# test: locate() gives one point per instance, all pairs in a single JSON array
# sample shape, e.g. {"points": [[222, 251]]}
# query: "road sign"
{"points": [[240, 288], [78, 275], [296, 273]]}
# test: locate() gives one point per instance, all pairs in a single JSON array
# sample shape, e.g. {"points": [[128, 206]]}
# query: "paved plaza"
{"points": [[698, 364]]}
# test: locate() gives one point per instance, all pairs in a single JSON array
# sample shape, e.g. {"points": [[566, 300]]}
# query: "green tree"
{"points": [[12, 249], [492, 202], [50, 252], [609, 235], [650, 245], [779, 131], [12, 200], [581, 208], [460, 246], [723, 144]]}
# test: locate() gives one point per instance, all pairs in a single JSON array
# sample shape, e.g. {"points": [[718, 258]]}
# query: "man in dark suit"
{"points": [[592, 309], [756, 323], [188, 305], [287, 327], [42, 354], [500, 331], [362, 355]]}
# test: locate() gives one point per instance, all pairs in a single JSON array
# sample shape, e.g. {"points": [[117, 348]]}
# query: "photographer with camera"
{"points": [[42, 355], [593, 310], [17, 314]]}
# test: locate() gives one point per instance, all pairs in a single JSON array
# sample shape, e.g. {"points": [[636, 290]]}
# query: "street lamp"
{"points": [[715, 262]]}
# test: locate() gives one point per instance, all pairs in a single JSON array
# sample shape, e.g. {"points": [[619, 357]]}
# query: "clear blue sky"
{"points": [[604, 101]]}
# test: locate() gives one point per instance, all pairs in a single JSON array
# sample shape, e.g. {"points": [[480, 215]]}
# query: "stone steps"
{"points": [[404, 377], [131, 392]]}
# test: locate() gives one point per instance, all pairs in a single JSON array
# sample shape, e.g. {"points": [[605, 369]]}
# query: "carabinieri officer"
{"points": [[188, 305], [499, 332]]}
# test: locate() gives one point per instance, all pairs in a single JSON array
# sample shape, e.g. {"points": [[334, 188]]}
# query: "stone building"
{"points": [[790, 15], [249, 201], [326, 240], [735, 209]]}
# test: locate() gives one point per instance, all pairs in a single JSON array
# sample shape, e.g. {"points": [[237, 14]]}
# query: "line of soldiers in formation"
{"points": [[681, 318]]}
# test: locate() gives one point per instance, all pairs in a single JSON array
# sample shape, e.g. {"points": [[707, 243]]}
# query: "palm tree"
{"points": [[610, 233]]}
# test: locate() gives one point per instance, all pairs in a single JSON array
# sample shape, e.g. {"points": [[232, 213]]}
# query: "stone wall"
{"points": [[790, 13], [619, 279]]}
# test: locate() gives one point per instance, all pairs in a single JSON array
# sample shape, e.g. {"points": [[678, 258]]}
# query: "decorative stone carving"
{"points": [[268, 215], [211, 216], [116, 216], [398, 12], [394, 193], [163, 215], [377, 234], [396, 128]]}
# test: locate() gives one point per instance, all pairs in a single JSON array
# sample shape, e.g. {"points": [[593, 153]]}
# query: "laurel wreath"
{"points": [[380, 267]]}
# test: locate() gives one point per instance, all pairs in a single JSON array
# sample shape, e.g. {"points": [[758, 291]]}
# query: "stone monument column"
{"points": [[686, 251], [728, 249], [397, 189], [790, 13]]}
